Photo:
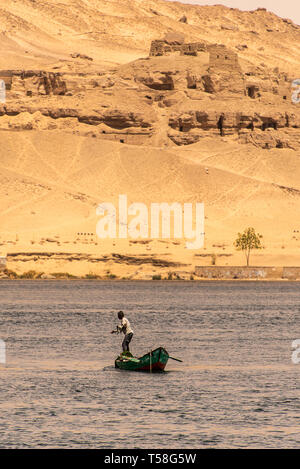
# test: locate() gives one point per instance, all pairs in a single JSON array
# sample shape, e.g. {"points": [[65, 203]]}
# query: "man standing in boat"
{"points": [[124, 327]]}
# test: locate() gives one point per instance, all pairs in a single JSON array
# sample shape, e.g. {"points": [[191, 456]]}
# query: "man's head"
{"points": [[120, 315]]}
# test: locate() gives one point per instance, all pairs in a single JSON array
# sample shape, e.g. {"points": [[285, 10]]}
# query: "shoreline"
{"points": [[162, 274], [120, 280]]}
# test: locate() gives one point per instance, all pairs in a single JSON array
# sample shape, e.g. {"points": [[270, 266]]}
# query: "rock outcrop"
{"points": [[33, 82], [199, 89]]}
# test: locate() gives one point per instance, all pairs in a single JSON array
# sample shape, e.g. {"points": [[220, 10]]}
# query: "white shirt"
{"points": [[125, 326]]}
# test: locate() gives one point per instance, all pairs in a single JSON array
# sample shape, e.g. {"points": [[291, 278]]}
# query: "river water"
{"points": [[236, 388]]}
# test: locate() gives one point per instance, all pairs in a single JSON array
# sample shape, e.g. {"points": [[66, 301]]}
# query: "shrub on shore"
{"points": [[10, 273], [62, 275], [92, 276], [156, 277], [111, 276], [31, 274]]}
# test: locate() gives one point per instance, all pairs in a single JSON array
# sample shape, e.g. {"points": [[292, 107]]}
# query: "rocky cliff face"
{"points": [[188, 88], [199, 98]]}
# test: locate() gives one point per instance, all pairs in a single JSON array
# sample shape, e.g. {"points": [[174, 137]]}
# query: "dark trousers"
{"points": [[126, 342]]}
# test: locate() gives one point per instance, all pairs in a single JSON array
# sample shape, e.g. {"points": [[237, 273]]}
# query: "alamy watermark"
{"points": [[2, 352], [296, 352], [160, 221], [2, 92], [296, 91]]}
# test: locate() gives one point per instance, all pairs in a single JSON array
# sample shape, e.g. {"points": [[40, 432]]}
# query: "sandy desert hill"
{"points": [[157, 100], [35, 33]]}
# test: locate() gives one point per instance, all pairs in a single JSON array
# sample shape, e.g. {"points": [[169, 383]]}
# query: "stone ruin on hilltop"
{"points": [[206, 91], [173, 43], [223, 58], [216, 70], [224, 72]]}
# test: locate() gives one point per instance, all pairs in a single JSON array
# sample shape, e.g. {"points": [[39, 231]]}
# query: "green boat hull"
{"points": [[153, 361]]}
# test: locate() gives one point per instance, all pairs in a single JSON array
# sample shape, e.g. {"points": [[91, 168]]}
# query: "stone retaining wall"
{"points": [[227, 272], [291, 273]]}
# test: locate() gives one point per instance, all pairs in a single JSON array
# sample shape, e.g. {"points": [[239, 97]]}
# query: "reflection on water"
{"points": [[237, 386]]}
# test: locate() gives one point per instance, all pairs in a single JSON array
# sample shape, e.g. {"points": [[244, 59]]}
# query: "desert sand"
{"points": [[92, 113]]}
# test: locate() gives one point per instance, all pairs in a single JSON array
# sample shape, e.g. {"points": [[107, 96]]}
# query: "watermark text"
{"points": [[2, 352], [296, 352], [161, 220], [296, 91]]}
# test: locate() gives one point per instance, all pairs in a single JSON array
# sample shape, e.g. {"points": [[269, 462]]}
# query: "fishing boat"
{"points": [[153, 361]]}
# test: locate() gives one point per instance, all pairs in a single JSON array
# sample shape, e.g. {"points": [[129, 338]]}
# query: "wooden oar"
{"points": [[177, 359]]}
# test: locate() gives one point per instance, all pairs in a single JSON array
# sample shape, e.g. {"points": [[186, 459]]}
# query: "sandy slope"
{"points": [[35, 33], [53, 181], [53, 186]]}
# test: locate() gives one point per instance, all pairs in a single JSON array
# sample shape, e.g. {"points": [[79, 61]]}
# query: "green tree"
{"points": [[247, 241]]}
